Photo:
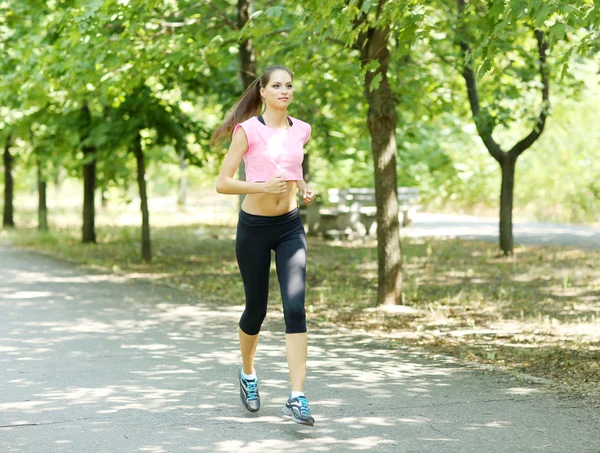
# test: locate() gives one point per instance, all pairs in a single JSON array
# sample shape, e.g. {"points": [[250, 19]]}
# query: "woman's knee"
{"points": [[295, 319], [251, 321]]}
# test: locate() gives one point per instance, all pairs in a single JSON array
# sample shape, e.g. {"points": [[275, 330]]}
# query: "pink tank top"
{"points": [[274, 152]]}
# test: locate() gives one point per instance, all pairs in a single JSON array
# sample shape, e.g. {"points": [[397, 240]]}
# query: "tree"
{"points": [[120, 59], [497, 30], [485, 127], [373, 44], [380, 32]]}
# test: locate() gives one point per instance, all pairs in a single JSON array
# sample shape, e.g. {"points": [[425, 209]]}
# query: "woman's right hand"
{"points": [[276, 185]]}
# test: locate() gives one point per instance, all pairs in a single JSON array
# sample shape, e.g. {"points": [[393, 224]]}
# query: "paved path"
{"points": [[91, 363], [486, 228]]}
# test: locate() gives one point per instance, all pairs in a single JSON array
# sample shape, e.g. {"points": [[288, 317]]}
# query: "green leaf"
{"points": [[375, 82], [564, 71], [557, 31], [366, 6], [485, 67], [274, 11], [372, 65]]}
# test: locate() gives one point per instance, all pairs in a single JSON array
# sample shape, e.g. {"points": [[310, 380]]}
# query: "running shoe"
{"points": [[249, 393], [298, 409]]}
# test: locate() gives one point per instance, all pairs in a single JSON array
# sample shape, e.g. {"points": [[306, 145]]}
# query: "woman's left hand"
{"points": [[308, 195]]}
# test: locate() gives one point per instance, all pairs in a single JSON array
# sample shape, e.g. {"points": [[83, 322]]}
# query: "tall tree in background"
{"points": [[370, 28], [373, 44], [496, 28], [485, 126], [141, 122]]}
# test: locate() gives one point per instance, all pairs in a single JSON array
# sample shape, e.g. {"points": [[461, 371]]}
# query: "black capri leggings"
{"points": [[256, 237]]}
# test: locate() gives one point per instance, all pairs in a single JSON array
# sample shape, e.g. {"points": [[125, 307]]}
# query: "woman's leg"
{"points": [[248, 345], [254, 260], [291, 271], [290, 256], [296, 345]]}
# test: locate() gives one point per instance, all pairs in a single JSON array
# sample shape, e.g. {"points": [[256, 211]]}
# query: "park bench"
{"points": [[353, 211]]}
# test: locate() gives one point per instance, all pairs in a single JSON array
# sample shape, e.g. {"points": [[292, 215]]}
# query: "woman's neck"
{"points": [[277, 119]]}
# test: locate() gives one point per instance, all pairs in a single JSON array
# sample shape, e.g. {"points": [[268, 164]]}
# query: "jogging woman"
{"points": [[271, 145]]}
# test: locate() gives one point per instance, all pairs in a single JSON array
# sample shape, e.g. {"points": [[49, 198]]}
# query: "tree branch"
{"points": [[467, 72], [521, 146], [336, 41]]}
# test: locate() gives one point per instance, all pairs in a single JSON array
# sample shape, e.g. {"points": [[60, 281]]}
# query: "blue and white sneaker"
{"points": [[249, 393], [298, 409]]}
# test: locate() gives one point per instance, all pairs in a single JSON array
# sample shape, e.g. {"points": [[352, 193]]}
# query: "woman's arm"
{"points": [[307, 194], [301, 184]]}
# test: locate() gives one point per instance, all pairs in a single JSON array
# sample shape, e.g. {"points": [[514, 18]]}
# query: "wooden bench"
{"points": [[356, 209], [328, 221], [352, 212]]}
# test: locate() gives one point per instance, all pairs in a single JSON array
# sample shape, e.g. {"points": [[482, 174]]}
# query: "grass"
{"points": [[537, 312]]}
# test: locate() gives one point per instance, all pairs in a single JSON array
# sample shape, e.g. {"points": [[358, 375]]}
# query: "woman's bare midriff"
{"points": [[271, 205]]}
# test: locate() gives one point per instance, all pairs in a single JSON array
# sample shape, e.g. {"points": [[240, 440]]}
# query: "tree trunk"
{"points": [[42, 206], [382, 120], [89, 190], [141, 180], [89, 184], [183, 181], [506, 204], [247, 66], [8, 220]]}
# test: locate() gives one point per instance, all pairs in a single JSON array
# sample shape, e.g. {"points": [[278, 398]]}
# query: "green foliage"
{"points": [[171, 68], [559, 178]]}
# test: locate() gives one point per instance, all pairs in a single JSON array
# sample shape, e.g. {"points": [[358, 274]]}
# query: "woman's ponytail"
{"points": [[248, 105]]}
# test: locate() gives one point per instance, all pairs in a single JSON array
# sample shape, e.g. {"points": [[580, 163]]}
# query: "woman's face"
{"points": [[279, 91]]}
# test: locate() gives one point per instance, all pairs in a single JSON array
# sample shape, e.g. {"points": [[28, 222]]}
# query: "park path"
{"points": [[486, 228], [94, 363]]}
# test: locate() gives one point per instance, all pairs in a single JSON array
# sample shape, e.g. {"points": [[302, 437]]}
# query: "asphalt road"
{"points": [[487, 229], [93, 363]]}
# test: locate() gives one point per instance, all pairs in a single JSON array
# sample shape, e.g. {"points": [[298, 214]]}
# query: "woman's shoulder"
{"points": [[303, 124], [250, 122], [248, 126]]}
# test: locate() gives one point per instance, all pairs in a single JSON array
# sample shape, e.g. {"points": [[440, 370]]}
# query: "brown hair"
{"points": [[248, 105]]}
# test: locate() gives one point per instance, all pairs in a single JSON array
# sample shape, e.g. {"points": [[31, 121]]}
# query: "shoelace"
{"points": [[303, 405], [252, 390]]}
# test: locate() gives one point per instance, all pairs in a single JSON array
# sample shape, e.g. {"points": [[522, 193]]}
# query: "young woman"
{"points": [[271, 145]]}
